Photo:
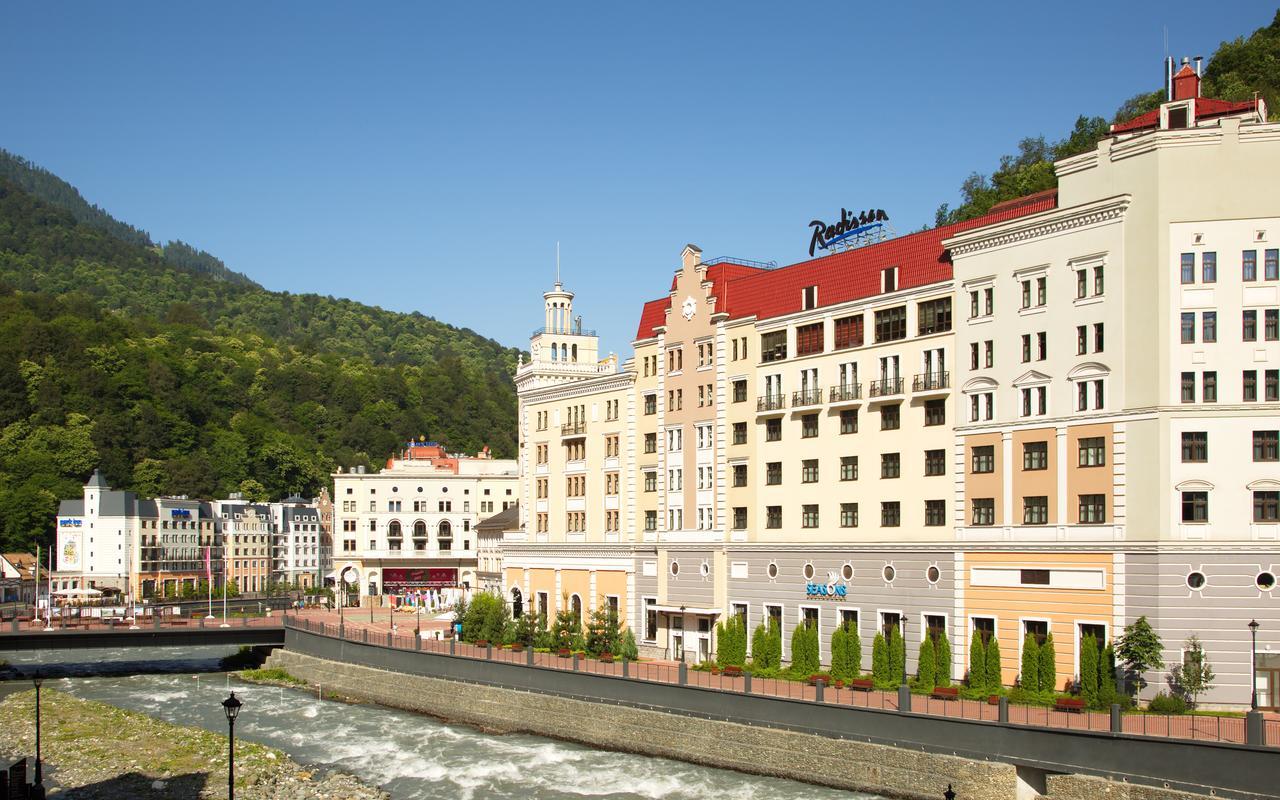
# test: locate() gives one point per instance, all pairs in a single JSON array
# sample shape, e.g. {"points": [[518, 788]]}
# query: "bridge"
{"points": [[264, 631]]}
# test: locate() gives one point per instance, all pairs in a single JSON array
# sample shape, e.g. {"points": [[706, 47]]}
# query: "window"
{"points": [[809, 339], [808, 426], [809, 516], [891, 324], [1209, 387], [1035, 627], [890, 465], [1272, 385], [773, 346], [1209, 267], [1195, 447], [1093, 451], [1082, 339], [889, 279], [809, 470], [1188, 267], [1188, 327], [1026, 294], [651, 404], [1188, 387], [1035, 510], [935, 462], [890, 514], [935, 412], [1271, 265], [1026, 347], [1098, 338], [849, 421], [1271, 324], [651, 481], [848, 332], [1266, 506], [973, 304], [739, 518], [984, 511], [651, 442], [1035, 455], [809, 297], [890, 417], [984, 628], [773, 473], [1042, 293], [1249, 265], [651, 520], [773, 430], [1195, 506], [1082, 283], [848, 515], [1099, 280], [1209, 326], [1093, 509], [988, 300], [1266, 445], [848, 468], [650, 619], [773, 517], [934, 316], [935, 513], [1249, 390], [982, 459], [739, 475], [739, 433], [1042, 346], [981, 406], [1035, 401], [1249, 325], [740, 391]]}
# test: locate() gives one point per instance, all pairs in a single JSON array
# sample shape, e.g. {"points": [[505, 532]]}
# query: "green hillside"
{"points": [[179, 382]]}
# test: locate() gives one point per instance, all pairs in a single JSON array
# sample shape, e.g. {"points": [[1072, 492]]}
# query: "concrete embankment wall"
{"points": [[842, 763]]}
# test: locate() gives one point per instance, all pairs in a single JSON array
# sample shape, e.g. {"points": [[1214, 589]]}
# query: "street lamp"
{"points": [[38, 681], [231, 707], [1253, 665], [903, 621]]}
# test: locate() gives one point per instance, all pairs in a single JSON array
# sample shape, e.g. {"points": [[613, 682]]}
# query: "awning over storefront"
{"points": [[687, 610]]}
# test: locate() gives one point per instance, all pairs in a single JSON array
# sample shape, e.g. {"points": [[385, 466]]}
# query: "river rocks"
{"points": [[94, 751]]}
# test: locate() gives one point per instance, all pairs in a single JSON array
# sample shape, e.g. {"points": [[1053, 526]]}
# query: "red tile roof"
{"points": [[1206, 108], [851, 275]]}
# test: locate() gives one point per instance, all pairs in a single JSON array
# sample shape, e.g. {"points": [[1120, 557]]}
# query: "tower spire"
{"points": [[557, 264]]}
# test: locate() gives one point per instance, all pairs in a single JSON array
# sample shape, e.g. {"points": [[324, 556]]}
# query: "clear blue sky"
{"points": [[428, 156]]}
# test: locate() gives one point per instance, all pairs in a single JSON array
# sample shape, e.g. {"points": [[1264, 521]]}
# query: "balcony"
{"points": [[931, 382], [770, 403], [889, 387], [573, 429], [806, 397], [562, 330], [850, 394]]}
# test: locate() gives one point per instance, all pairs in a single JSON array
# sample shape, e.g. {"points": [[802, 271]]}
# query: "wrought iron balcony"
{"points": [[843, 394], [771, 402], [931, 381], [806, 397], [887, 387], [573, 429]]}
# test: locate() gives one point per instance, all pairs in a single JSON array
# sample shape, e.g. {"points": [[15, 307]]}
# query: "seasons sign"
{"points": [[851, 225]]}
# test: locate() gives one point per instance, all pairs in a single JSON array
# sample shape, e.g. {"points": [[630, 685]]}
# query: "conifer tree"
{"points": [[977, 662], [1029, 678]]}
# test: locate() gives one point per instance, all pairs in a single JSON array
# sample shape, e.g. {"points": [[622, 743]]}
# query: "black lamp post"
{"points": [[419, 631], [38, 681], [1253, 665], [231, 707], [950, 793]]}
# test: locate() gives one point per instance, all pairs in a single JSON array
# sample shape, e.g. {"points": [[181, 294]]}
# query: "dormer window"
{"points": [[810, 297], [1177, 117], [889, 279]]}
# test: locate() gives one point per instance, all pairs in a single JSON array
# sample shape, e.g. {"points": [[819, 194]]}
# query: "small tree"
{"points": [[942, 668], [897, 656], [1030, 676], [602, 631], [977, 662], [804, 650], [926, 663], [1139, 650], [995, 666], [627, 646], [839, 654], [565, 631], [766, 646], [880, 670], [1048, 665], [1089, 669], [731, 636], [526, 628], [1194, 676], [853, 650]]}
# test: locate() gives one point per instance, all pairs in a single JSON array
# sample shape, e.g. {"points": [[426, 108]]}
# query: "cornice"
{"points": [[844, 549], [563, 391], [1047, 223]]}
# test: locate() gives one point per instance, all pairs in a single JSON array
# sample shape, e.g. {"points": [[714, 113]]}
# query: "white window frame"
{"points": [[800, 620], [1106, 626], [734, 605], [644, 610]]}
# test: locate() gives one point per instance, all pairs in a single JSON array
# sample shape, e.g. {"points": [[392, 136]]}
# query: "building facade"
{"points": [[1015, 425], [411, 526]]}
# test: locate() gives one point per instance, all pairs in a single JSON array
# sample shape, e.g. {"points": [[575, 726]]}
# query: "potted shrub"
{"points": [[517, 647], [564, 652], [813, 679], [607, 658], [482, 642], [732, 671], [839, 684]]}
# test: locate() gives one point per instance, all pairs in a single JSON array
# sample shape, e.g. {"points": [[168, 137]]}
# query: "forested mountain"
{"points": [[179, 383], [54, 190], [1236, 70]]}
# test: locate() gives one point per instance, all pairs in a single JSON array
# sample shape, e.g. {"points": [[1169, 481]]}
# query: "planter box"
{"points": [[516, 648], [564, 653], [993, 700], [606, 658], [812, 680], [732, 672]]}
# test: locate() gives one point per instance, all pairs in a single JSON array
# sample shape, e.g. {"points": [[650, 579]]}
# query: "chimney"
{"points": [[1168, 78], [1186, 84]]}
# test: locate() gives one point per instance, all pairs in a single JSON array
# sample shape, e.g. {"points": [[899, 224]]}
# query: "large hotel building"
{"points": [[1054, 418]]}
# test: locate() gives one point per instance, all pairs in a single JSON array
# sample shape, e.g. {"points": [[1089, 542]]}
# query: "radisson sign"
{"points": [[851, 224]]}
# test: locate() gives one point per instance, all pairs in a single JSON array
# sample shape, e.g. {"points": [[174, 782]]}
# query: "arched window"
{"points": [[419, 535], [575, 605], [575, 354], [517, 603], [445, 535], [554, 347], [393, 529]]}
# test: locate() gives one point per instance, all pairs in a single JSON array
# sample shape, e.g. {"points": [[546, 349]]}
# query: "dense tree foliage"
{"points": [[170, 383], [1236, 70]]}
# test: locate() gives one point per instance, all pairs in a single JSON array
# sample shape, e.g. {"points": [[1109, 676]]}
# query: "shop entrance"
{"points": [[1267, 682]]}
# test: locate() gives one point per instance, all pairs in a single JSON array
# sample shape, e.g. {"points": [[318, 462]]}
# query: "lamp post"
{"points": [[231, 707], [903, 621], [418, 633], [1253, 665], [38, 681]]}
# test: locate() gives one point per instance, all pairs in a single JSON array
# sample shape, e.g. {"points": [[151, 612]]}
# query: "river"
{"points": [[411, 756]]}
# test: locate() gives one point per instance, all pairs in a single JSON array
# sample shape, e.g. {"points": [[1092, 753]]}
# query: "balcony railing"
{"points": [[806, 397], [771, 402], [928, 381], [573, 429], [563, 330], [840, 394], [887, 387]]}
